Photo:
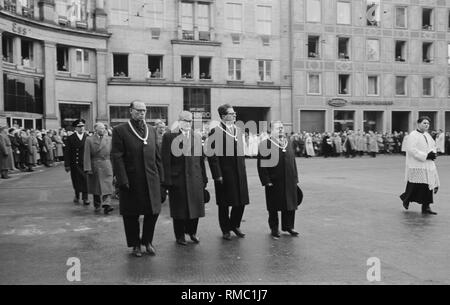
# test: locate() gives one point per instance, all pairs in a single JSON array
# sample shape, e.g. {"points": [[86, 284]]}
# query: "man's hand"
{"points": [[67, 168], [220, 180], [270, 184], [436, 189]]}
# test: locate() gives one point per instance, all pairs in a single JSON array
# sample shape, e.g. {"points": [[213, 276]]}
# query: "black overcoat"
{"points": [[231, 167], [282, 196], [140, 166], [184, 175], [73, 158]]}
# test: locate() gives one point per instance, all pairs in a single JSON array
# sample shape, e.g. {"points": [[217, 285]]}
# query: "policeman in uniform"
{"points": [[73, 161]]}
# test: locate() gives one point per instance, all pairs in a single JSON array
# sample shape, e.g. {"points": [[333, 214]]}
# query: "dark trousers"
{"points": [[287, 220], [184, 226], [102, 200], [132, 230], [84, 196], [229, 221]]}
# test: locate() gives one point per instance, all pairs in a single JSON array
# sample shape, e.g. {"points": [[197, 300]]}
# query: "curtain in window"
{"points": [[344, 13], [373, 50], [314, 83]]}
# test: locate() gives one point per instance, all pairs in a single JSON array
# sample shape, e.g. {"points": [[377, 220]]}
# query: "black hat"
{"points": [[206, 196], [79, 123], [299, 195]]}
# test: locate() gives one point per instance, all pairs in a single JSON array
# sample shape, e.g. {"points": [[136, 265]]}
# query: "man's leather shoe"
{"points": [[429, 211], [86, 202], [150, 249], [107, 209], [97, 209], [238, 232], [275, 234], [137, 251], [76, 200], [292, 232], [226, 236], [181, 241], [194, 238]]}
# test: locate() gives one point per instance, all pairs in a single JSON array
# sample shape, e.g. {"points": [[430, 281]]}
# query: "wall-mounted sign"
{"points": [[376, 103], [20, 29], [337, 102]]}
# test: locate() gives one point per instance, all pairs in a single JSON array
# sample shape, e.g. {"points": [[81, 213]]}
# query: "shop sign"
{"points": [[337, 102]]}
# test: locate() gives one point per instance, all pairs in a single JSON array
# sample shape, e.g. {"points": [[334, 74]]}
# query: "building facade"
{"points": [[316, 65], [370, 64]]}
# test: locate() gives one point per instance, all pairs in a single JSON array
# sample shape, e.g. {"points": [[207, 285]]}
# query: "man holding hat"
{"points": [[277, 171], [185, 177], [74, 161]]}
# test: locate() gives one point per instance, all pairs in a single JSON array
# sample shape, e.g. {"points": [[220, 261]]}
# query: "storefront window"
{"points": [[23, 94], [344, 120], [198, 101]]}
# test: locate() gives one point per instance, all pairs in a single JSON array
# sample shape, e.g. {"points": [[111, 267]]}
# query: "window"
{"points": [[448, 86], [265, 70], [154, 13], [27, 53], [427, 18], [344, 84], [427, 89], [155, 66], [205, 67], [120, 65], [234, 17], [313, 11], [234, 69], [11, 6], [61, 8], [186, 67], [82, 61], [187, 20], [427, 52], [314, 84], [373, 85], [344, 120], [343, 48], [344, 15], [373, 49], [119, 12], [7, 48], [400, 17], [27, 8], [121, 114], [400, 85], [313, 46], [448, 22], [448, 53], [203, 22], [373, 12], [77, 10], [23, 94], [400, 50], [62, 58], [198, 101], [264, 20]]}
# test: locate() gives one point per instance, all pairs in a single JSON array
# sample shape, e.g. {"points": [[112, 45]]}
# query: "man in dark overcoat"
{"points": [[225, 151], [73, 161], [98, 168], [185, 177], [277, 171], [138, 170]]}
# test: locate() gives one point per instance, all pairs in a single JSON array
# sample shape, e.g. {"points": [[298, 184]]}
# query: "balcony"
{"points": [[343, 56]]}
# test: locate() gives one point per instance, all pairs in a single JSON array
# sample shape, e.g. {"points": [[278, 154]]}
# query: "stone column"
{"points": [[50, 105], [100, 16], [2, 92], [17, 50], [47, 10], [102, 86]]}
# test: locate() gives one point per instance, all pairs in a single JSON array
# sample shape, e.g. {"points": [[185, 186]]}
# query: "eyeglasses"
{"points": [[187, 121], [231, 113], [140, 110]]}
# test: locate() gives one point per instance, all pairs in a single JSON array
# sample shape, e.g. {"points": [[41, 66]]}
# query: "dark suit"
{"points": [[73, 158], [282, 196], [139, 166], [185, 177], [234, 189]]}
